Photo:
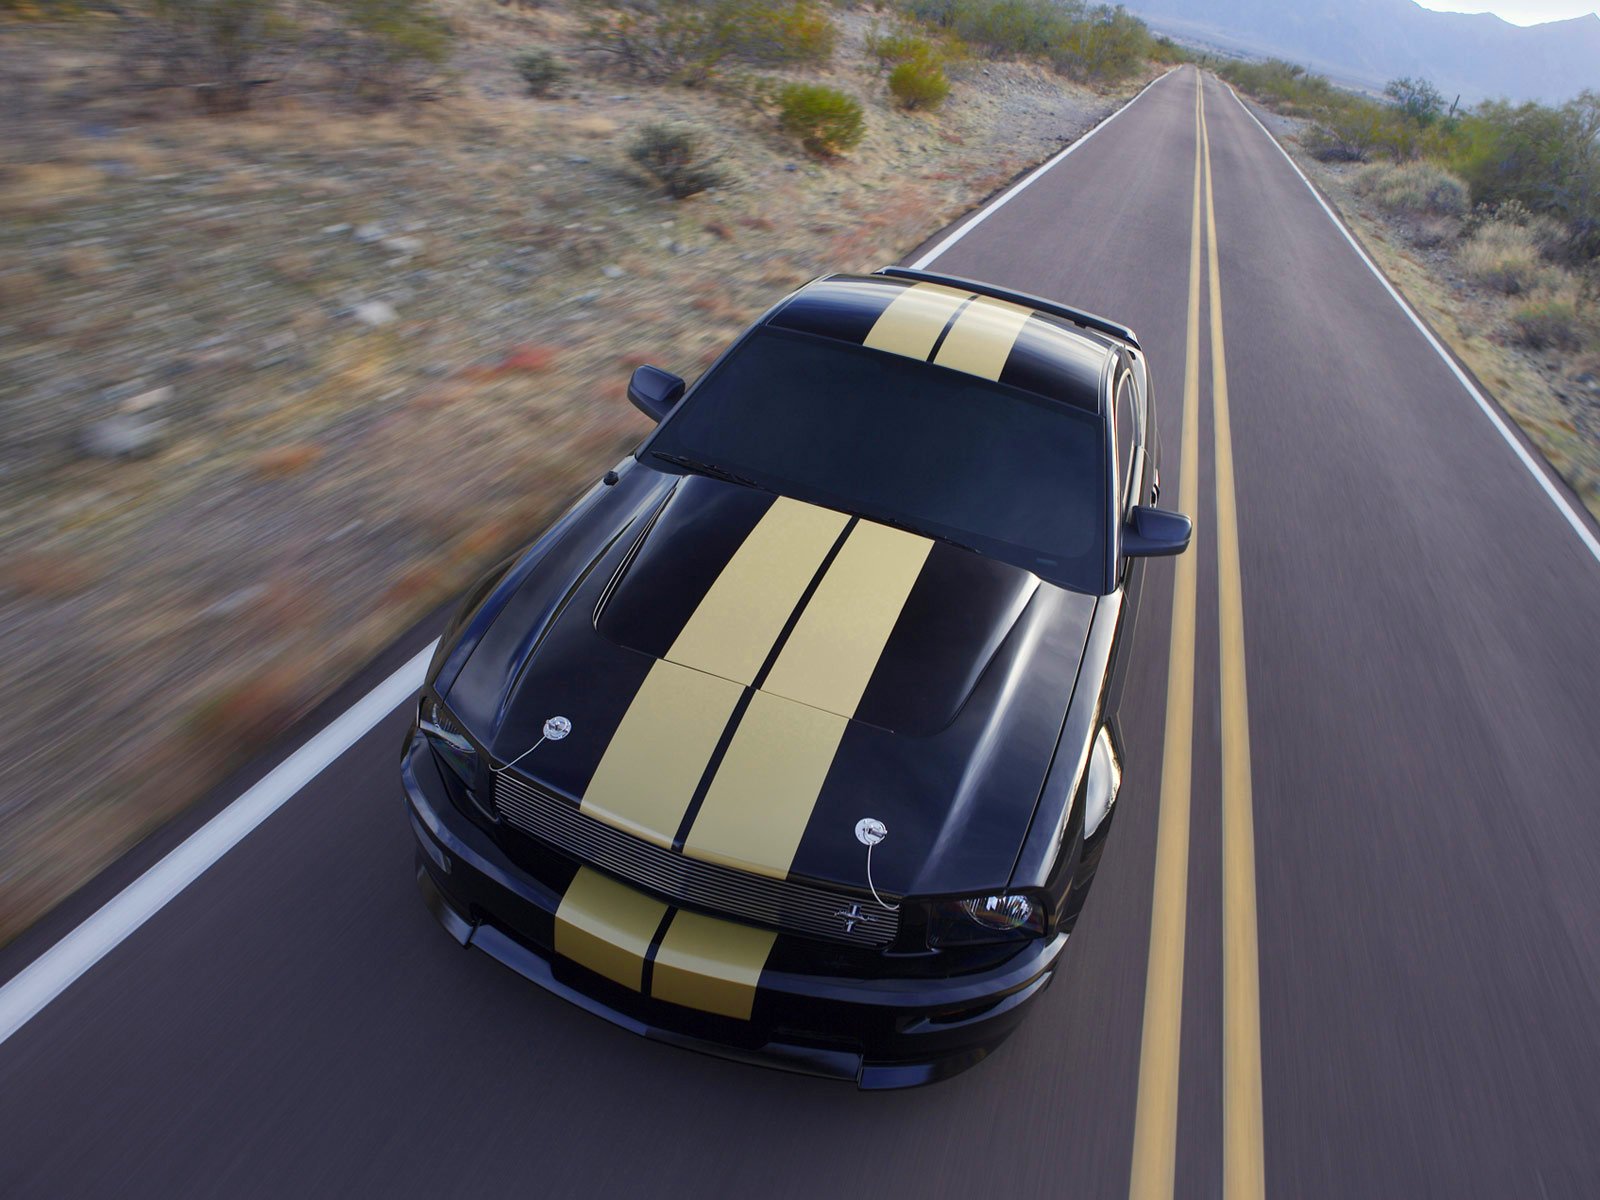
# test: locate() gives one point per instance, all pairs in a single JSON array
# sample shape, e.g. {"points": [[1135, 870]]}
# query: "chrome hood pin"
{"points": [[869, 832], [555, 728]]}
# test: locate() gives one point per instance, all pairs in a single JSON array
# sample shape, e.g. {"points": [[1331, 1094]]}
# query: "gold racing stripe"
{"points": [[981, 339], [710, 964], [607, 926], [914, 319], [734, 627], [835, 646], [654, 761], [757, 809]]}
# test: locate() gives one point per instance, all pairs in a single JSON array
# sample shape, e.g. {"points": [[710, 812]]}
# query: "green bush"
{"points": [[1545, 158], [675, 156], [1285, 86], [892, 49], [1416, 98], [1086, 42], [1012, 26], [1548, 324], [1165, 50], [214, 46], [1347, 134], [827, 121], [391, 43], [1416, 188], [689, 41], [1104, 43], [783, 35], [225, 49], [919, 83], [540, 70]]}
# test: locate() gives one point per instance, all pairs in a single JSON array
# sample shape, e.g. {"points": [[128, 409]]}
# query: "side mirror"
{"points": [[654, 391], [1155, 532]]}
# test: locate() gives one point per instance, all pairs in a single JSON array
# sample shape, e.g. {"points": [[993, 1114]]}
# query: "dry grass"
{"points": [[1505, 257], [1415, 189], [38, 188], [1550, 321]]}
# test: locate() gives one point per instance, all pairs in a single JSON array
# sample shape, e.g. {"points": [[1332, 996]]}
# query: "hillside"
{"points": [[1477, 56]]}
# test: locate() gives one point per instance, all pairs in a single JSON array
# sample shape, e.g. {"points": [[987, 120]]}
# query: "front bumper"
{"points": [[882, 1032]]}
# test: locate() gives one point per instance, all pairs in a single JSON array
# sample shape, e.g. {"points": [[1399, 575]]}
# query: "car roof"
{"points": [[949, 326]]}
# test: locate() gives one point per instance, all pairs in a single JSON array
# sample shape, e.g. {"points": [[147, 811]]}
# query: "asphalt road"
{"points": [[1423, 709]]}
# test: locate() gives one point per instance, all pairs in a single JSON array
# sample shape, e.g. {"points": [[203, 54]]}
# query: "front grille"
{"points": [[779, 903]]}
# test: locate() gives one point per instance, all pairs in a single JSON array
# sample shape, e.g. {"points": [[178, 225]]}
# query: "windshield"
{"points": [[1006, 473]]}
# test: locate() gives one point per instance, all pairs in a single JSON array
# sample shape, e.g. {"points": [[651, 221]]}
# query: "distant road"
{"points": [[1377, 807]]}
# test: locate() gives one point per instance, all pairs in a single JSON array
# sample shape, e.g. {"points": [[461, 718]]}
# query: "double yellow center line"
{"points": [[1156, 1117]]}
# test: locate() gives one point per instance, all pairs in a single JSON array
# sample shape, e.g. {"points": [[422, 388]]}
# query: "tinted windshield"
{"points": [[1012, 475]]}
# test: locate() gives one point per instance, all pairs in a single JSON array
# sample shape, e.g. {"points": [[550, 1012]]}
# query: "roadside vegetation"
{"points": [[1098, 43], [1500, 207], [311, 309]]}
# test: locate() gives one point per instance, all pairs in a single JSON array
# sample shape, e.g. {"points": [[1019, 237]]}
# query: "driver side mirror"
{"points": [[1155, 532], [654, 391]]}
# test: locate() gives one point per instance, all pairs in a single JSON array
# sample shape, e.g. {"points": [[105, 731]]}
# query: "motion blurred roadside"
{"points": [[308, 311]]}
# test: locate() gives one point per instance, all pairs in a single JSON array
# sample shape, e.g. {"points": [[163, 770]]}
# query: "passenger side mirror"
{"points": [[1155, 532], [654, 391]]}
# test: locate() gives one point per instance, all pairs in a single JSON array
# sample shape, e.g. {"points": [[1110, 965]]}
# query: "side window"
{"points": [[1125, 442]]}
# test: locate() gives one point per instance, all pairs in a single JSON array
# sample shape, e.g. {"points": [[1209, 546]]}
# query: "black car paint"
{"points": [[1069, 660]]}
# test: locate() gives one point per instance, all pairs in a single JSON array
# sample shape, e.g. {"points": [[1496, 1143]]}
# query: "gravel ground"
{"points": [[273, 386]]}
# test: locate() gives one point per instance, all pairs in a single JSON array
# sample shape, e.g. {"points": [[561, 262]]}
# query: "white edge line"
{"points": [[1016, 189], [42, 980], [1579, 525]]}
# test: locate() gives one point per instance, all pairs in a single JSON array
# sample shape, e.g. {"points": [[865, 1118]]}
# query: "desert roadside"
{"points": [[274, 387], [1550, 387]]}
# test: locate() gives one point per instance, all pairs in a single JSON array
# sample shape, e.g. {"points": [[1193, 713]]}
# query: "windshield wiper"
{"points": [[705, 468], [910, 528]]}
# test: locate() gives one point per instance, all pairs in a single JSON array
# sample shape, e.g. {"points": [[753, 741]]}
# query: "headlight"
{"points": [[448, 739], [1003, 917]]}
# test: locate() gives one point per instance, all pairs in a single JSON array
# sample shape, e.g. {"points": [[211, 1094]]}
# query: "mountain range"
{"points": [[1475, 55]]}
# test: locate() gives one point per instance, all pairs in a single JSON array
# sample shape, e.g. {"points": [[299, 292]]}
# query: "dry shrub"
{"points": [[42, 187], [1553, 238], [224, 50], [675, 155], [540, 70], [1435, 231], [1548, 322], [1504, 257], [690, 41], [1414, 188]]}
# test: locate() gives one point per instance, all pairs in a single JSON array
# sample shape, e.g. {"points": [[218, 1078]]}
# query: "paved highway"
{"points": [[1345, 941]]}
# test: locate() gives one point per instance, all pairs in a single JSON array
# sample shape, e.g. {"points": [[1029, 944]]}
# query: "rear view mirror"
{"points": [[1155, 532], [654, 391]]}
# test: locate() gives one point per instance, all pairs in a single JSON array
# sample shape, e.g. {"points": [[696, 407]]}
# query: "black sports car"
{"points": [[795, 740]]}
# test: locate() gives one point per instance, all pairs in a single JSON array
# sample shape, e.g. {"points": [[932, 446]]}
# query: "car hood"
{"points": [[748, 676]]}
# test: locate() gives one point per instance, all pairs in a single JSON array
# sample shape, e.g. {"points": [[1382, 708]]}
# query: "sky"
{"points": [[1518, 12]]}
